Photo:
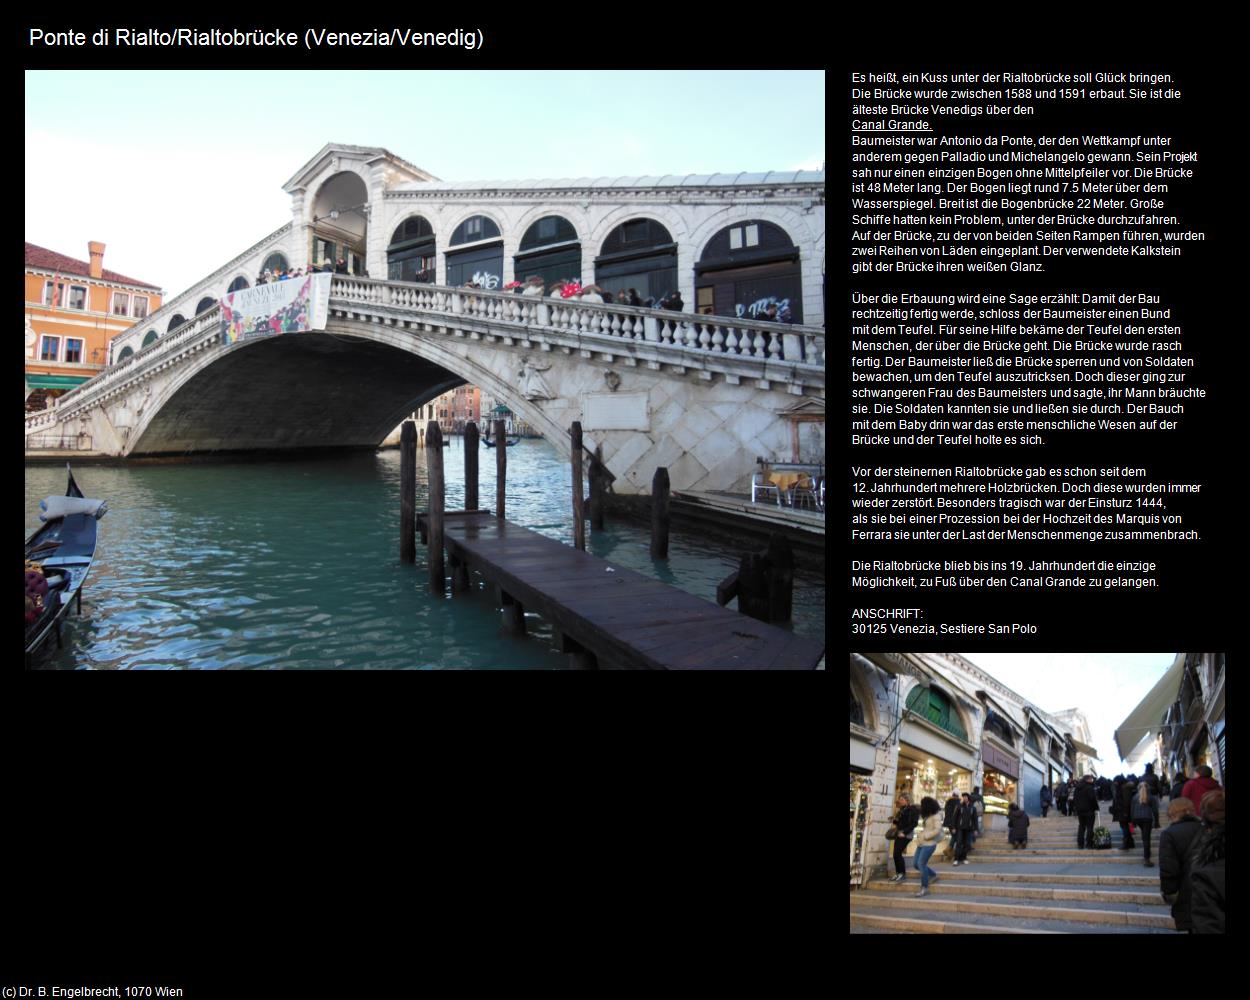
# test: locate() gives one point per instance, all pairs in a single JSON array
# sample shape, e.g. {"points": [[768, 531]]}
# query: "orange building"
{"points": [[73, 310]]}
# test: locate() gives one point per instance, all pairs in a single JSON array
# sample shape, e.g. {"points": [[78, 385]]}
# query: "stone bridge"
{"points": [[702, 395]]}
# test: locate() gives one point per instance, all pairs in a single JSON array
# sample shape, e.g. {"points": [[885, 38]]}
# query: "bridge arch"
{"points": [[338, 215], [205, 304], [411, 253], [348, 387], [471, 254], [175, 321], [238, 284]]}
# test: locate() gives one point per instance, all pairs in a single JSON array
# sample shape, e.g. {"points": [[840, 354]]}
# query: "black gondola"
{"points": [[507, 443], [63, 549]]}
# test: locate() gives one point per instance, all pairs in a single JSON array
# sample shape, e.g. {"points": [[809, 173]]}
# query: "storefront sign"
{"points": [[929, 741], [863, 755], [999, 760], [296, 305]]}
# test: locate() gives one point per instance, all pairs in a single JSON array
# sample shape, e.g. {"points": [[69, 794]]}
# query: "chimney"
{"points": [[96, 250]]}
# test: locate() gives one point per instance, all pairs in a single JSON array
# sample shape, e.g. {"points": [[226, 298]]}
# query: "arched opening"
{"points": [[481, 259], [747, 267], [205, 303], [273, 262], [341, 224], [410, 256], [549, 250], [175, 321], [238, 284], [931, 704], [126, 353], [638, 254], [149, 338]]}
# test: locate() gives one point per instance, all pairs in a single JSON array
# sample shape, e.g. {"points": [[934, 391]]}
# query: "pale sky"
{"points": [[1105, 686], [176, 172]]}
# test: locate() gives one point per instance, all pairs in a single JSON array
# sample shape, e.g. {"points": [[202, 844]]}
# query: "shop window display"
{"points": [[999, 792], [861, 791]]}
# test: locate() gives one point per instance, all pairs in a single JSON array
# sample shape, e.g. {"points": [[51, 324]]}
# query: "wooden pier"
{"points": [[609, 616]]}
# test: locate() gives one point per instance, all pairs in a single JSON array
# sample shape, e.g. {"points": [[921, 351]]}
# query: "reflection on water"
{"points": [[296, 565]]}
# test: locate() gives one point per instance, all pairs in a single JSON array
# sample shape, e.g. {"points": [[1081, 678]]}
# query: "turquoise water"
{"points": [[295, 564]]}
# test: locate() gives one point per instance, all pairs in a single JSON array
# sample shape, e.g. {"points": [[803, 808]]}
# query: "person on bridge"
{"points": [[1061, 796], [1046, 799], [905, 818], [1085, 805], [965, 825], [1151, 779], [340, 266], [1206, 873], [1199, 785], [978, 803], [927, 840], [1175, 845], [1178, 786], [952, 807], [1018, 824], [1146, 814]]}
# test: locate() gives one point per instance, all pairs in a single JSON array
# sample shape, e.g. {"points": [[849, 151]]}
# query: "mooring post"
{"points": [[753, 576], [501, 466], [780, 578], [408, 492], [470, 466], [596, 489], [659, 514], [434, 467], [579, 523]]}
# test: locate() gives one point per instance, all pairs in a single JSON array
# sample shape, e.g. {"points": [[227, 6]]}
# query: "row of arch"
{"points": [[743, 267]]}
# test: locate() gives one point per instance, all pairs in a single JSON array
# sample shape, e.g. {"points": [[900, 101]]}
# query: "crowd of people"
{"points": [[270, 275], [1191, 849]]}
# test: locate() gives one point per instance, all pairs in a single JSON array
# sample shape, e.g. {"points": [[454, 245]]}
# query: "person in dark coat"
{"points": [[1145, 814], [1085, 805], [1046, 799], [1174, 847], [1018, 825], [1178, 786], [1128, 791], [978, 803], [1206, 869], [1061, 797], [965, 825], [905, 819], [948, 821], [1151, 779]]}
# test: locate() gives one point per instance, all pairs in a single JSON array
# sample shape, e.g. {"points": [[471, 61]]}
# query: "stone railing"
{"points": [[712, 334], [746, 344], [191, 334]]}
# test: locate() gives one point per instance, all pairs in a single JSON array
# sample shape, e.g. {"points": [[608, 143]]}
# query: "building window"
{"points": [[205, 304], [126, 353], [275, 262], [73, 350], [934, 706], [141, 307], [50, 349], [478, 227], [857, 711], [238, 284], [149, 339], [175, 321], [121, 304], [77, 297], [53, 296]]}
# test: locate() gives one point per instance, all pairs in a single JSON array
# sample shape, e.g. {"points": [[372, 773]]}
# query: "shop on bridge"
{"points": [[549, 250], [747, 267], [479, 254], [638, 254]]}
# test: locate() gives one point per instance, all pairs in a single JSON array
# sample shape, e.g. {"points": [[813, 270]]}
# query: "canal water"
{"points": [[295, 564]]}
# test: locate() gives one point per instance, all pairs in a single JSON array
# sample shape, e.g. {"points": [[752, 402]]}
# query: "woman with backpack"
{"points": [[927, 841], [905, 818]]}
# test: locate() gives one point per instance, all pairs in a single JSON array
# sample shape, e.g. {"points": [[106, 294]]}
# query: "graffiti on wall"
{"points": [[484, 279], [757, 308]]}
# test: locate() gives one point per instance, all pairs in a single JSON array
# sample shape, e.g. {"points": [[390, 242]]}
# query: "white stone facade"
{"points": [[692, 209]]}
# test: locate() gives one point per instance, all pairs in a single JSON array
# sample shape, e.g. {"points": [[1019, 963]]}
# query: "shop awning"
{"points": [[1145, 717], [1087, 750], [1011, 715], [55, 381]]}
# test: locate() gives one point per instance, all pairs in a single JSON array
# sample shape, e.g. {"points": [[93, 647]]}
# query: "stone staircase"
{"points": [[1048, 887]]}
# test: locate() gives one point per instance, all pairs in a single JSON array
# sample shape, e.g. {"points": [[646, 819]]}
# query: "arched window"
{"points": [[857, 710], [1035, 739], [482, 264], [410, 256], [638, 254], [126, 352], [995, 724], [238, 284], [205, 303], [477, 227], [175, 321], [273, 262], [931, 704], [149, 338], [745, 268], [549, 250]]}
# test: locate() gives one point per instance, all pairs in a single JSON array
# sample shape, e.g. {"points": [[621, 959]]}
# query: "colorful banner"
{"points": [[296, 305]]}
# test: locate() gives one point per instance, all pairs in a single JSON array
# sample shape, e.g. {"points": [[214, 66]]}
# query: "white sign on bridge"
{"points": [[625, 411], [296, 305]]}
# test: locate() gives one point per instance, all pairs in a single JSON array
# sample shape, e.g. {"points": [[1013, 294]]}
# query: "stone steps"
{"points": [[1048, 889], [939, 906], [920, 921]]}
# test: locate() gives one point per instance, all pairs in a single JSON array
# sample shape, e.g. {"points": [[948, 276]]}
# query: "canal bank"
{"points": [[294, 564]]}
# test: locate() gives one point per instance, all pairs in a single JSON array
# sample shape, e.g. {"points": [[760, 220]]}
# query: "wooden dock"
{"points": [[610, 616]]}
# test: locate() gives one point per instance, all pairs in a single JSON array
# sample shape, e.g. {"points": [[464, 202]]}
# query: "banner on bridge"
{"points": [[296, 305]]}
